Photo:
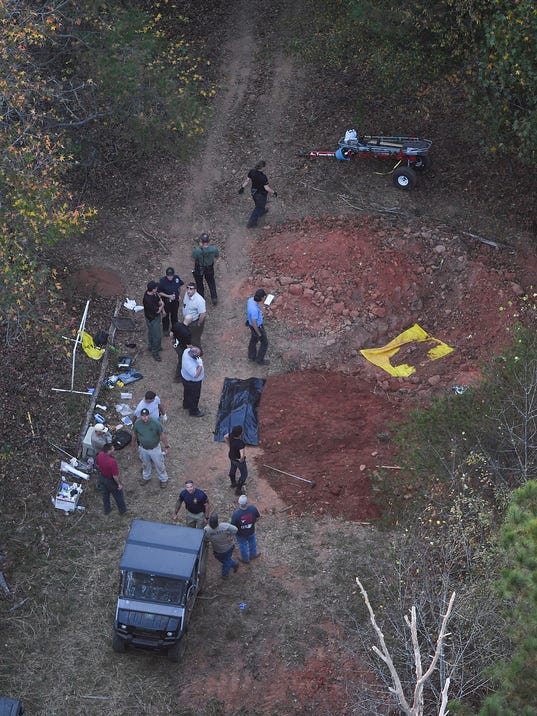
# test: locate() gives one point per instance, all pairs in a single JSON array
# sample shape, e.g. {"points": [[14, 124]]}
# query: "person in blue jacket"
{"points": [[258, 334]]}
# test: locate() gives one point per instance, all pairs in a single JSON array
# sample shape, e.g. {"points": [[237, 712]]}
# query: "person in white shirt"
{"points": [[192, 374], [153, 403], [194, 313]]}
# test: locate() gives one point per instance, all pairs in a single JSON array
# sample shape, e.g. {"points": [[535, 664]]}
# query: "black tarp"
{"points": [[238, 406]]}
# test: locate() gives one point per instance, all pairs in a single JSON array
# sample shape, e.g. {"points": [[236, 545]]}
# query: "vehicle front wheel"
{"points": [[404, 178], [176, 652], [118, 644]]}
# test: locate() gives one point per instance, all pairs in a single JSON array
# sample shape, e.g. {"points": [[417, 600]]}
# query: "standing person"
{"points": [[153, 309], [237, 458], [109, 480], [257, 329], [192, 374], [244, 520], [196, 505], [149, 434], [194, 312], [169, 289], [220, 535], [154, 404], [182, 336], [204, 256], [260, 189]]}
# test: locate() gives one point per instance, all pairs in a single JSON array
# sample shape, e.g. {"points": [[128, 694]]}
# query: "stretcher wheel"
{"points": [[404, 178], [422, 163]]}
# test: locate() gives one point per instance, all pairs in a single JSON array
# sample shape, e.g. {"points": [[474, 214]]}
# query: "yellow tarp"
{"points": [[381, 356], [89, 347]]}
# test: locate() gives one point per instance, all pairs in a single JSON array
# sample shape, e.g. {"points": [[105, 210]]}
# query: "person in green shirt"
{"points": [[149, 433], [204, 256]]}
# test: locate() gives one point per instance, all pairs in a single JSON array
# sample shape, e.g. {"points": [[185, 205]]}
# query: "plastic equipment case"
{"points": [[67, 496]]}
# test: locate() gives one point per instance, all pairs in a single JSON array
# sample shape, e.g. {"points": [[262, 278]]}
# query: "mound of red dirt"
{"points": [[341, 286]]}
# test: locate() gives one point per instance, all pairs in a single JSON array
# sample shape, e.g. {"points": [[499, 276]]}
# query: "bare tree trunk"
{"points": [[416, 708]]}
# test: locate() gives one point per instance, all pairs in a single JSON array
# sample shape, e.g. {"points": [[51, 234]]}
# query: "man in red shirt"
{"points": [[109, 480]]}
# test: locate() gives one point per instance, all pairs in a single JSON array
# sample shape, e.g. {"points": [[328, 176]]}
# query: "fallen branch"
{"points": [[97, 698], [18, 605], [488, 242]]}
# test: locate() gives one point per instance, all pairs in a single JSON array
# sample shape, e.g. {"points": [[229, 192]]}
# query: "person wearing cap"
{"points": [[153, 309], [196, 505], [244, 520], [154, 404], [100, 437], [221, 536], [204, 256], [192, 374], [237, 458], [149, 434], [169, 289], [109, 481], [258, 334], [260, 189], [194, 312]]}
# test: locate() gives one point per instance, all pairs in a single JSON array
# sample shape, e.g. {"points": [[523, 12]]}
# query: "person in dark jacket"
{"points": [[237, 458], [153, 309], [259, 190], [169, 289], [244, 520]]}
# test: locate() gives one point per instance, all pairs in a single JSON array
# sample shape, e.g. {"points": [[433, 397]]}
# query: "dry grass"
{"points": [[57, 645]]}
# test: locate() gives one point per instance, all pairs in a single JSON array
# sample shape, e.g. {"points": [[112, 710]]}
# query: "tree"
{"points": [[423, 567], [517, 677], [506, 91], [412, 706], [37, 209]]}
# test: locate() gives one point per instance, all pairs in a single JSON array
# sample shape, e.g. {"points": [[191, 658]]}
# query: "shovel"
{"points": [[289, 474]]}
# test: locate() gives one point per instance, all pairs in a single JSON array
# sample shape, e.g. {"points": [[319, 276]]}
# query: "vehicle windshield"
{"points": [[152, 588]]}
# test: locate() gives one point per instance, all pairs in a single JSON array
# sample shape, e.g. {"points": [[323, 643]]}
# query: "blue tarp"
{"points": [[238, 406]]}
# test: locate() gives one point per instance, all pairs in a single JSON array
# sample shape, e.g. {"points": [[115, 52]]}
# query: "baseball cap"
{"points": [[151, 285], [144, 411], [170, 271], [204, 238], [243, 500], [100, 428]]}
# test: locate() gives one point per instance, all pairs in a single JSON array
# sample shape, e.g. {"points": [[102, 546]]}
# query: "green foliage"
{"points": [[397, 46], [144, 82], [516, 694], [506, 91], [37, 210]]}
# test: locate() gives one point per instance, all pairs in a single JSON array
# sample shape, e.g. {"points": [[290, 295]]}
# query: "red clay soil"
{"points": [[345, 285]]}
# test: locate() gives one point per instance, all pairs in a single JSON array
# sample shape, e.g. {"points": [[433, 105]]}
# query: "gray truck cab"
{"points": [[162, 570]]}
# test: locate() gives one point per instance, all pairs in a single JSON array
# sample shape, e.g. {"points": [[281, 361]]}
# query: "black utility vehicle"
{"points": [[11, 707], [162, 570]]}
